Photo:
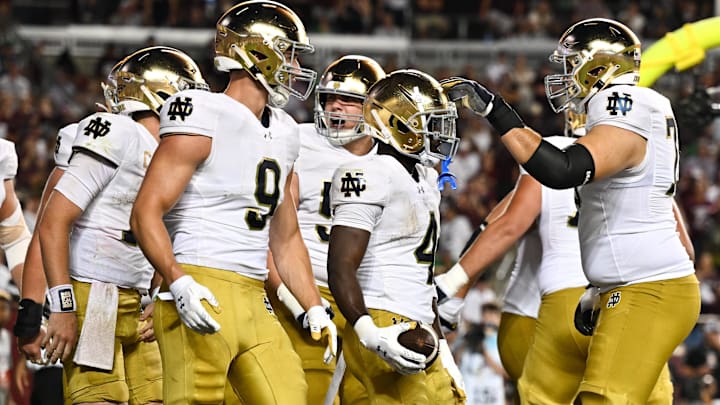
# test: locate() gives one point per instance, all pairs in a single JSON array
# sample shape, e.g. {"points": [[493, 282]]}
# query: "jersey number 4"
{"points": [[267, 194], [425, 253]]}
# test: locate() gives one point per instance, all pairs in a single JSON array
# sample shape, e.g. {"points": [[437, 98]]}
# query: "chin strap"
{"points": [[446, 176]]}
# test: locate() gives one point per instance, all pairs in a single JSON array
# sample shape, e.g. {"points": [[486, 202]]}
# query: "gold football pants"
{"points": [[251, 350]]}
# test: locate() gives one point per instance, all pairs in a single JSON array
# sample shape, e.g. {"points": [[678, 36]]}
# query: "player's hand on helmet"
{"points": [[587, 311], [469, 94], [188, 295], [384, 342], [321, 327]]}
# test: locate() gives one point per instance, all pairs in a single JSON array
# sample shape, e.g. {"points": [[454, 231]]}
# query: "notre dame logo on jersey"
{"points": [[619, 103], [97, 127], [180, 107], [352, 184]]}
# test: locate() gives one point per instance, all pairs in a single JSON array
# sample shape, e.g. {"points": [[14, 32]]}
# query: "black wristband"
{"points": [[474, 236], [503, 117], [29, 319]]}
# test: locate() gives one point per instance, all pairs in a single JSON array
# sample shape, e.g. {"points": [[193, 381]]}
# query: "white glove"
{"points": [[449, 313], [321, 326], [384, 342], [448, 361], [188, 295]]}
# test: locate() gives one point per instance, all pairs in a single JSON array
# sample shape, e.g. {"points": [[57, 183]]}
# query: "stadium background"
{"points": [[53, 55]]}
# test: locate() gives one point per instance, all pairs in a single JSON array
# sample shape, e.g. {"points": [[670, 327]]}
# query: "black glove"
{"points": [[587, 311], [472, 238], [483, 102], [469, 94]]}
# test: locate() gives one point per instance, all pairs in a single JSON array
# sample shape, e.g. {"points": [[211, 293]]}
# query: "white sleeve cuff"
{"points": [[361, 216]]}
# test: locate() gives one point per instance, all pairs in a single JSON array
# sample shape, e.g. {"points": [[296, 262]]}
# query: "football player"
{"points": [[336, 137], [34, 284], [384, 235], [30, 314], [625, 170], [213, 201], [94, 268]]}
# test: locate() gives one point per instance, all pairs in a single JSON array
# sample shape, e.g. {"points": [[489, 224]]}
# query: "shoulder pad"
{"points": [[193, 112], [360, 182], [63, 144], [105, 135], [8, 160], [621, 106]]}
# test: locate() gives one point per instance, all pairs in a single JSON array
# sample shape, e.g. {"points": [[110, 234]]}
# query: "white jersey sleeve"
{"points": [[358, 184], [8, 160], [627, 107], [105, 136], [191, 112], [63, 144]]}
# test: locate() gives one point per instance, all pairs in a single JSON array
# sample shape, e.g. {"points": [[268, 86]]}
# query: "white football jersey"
{"points": [[102, 247], [627, 228], [223, 217], [561, 266], [522, 293], [8, 164], [315, 168], [396, 273], [63, 145]]}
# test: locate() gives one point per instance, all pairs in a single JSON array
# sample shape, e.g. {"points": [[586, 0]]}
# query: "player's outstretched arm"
{"points": [[604, 151], [171, 168], [523, 207], [34, 284]]}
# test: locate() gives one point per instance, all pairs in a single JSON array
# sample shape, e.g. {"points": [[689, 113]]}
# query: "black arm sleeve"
{"points": [[560, 169]]}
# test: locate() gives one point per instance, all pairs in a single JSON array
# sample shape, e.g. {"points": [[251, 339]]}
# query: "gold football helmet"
{"points": [[265, 38], [143, 80], [575, 124], [349, 77], [594, 53], [409, 110]]}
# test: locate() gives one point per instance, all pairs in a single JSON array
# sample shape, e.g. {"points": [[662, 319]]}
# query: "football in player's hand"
{"points": [[423, 339]]}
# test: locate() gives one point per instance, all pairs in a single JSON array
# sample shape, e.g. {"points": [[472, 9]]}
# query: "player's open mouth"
{"points": [[337, 122]]}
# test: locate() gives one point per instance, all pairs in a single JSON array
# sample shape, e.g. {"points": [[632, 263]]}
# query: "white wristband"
{"points": [[364, 328], [287, 298], [452, 281], [62, 298]]}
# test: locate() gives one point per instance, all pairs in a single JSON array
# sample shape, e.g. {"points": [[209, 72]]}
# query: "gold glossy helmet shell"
{"points": [[409, 110], [594, 53], [350, 77], [143, 80], [265, 38]]}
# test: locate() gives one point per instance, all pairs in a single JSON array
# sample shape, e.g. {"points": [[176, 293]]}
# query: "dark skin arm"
{"points": [[346, 250]]}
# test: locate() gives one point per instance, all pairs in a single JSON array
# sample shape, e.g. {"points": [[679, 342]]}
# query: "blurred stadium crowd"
{"points": [[41, 93]]}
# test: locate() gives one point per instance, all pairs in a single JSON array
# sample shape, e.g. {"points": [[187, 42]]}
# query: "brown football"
{"points": [[422, 339]]}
